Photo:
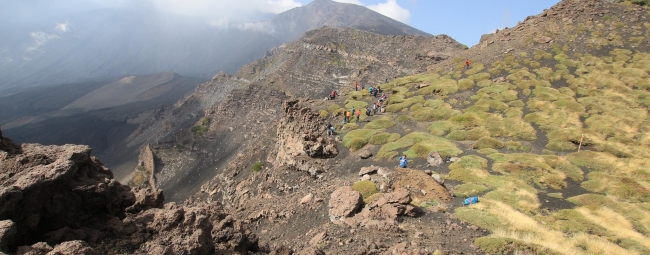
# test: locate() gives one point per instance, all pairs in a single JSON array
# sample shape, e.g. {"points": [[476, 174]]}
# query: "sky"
{"points": [[464, 21]]}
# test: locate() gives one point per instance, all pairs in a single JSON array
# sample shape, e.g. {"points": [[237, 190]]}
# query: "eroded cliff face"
{"points": [[61, 200]]}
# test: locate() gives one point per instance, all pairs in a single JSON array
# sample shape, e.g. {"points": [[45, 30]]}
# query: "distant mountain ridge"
{"points": [[111, 43]]}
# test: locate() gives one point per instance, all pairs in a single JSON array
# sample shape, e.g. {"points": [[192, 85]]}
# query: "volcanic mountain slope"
{"points": [[548, 127], [100, 114], [323, 60], [138, 42]]}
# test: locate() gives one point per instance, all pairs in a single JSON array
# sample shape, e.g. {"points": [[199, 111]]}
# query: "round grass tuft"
{"points": [[323, 114], [356, 139], [380, 124], [366, 188], [488, 142]]}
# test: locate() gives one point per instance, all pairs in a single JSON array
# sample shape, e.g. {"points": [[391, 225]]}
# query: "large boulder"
{"points": [[368, 170], [434, 159], [344, 202], [382, 213]]}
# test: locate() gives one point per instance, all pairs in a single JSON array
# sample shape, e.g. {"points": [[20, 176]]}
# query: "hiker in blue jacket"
{"points": [[403, 161]]}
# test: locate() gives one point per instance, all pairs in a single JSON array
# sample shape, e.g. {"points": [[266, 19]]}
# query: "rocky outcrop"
{"points": [[146, 167], [175, 229], [302, 137], [61, 200], [47, 188], [381, 214], [344, 202], [420, 185]]}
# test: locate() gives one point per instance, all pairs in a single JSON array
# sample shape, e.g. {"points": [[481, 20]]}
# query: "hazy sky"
{"points": [[465, 21]]}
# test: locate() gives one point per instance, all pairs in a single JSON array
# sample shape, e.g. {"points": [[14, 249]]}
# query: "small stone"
{"points": [[423, 192], [307, 198], [365, 177], [365, 153]]}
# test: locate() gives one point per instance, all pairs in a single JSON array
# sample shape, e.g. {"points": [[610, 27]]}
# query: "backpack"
{"points": [[470, 200]]}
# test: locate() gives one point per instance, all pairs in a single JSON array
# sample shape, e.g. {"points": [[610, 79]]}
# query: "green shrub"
{"points": [[366, 188], [465, 84], [379, 124], [403, 118], [488, 142], [323, 114], [379, 139], [478, 218], [440, 128], [469, 189], [356, 139], [199, 130], [257, 166]]}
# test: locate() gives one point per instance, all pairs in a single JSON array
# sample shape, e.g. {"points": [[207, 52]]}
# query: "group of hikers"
{"points": [[376, 107]]}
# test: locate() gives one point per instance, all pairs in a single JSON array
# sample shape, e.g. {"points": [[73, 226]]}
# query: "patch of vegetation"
{"points": [[403, 119], [366, 188], [323, 114], [358, 105], [501, 245], [440, 128], [396, 107], [478, 218], [479, 77], [468, 135], [531, 168], [469, 189], [465, 84], [356, 139], [622, 187], [488, 142], [421, 144], [257, 166], [382, 123], [442, 87], [639, 2], [432, 114], [475, 68], [350, 126], [383, 138]]}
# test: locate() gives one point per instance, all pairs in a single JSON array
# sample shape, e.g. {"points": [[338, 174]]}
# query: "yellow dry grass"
{"points": [[616, 223], [526, 229]]}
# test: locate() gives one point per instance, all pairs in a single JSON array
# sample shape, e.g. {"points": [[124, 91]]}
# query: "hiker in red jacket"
{"points": [[356, 86], [467, 64]]}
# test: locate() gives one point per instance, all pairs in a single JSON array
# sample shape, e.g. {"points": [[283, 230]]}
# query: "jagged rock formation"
{"points": [[47, 188], [61, 200], [144, 172], [302, 135]]}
